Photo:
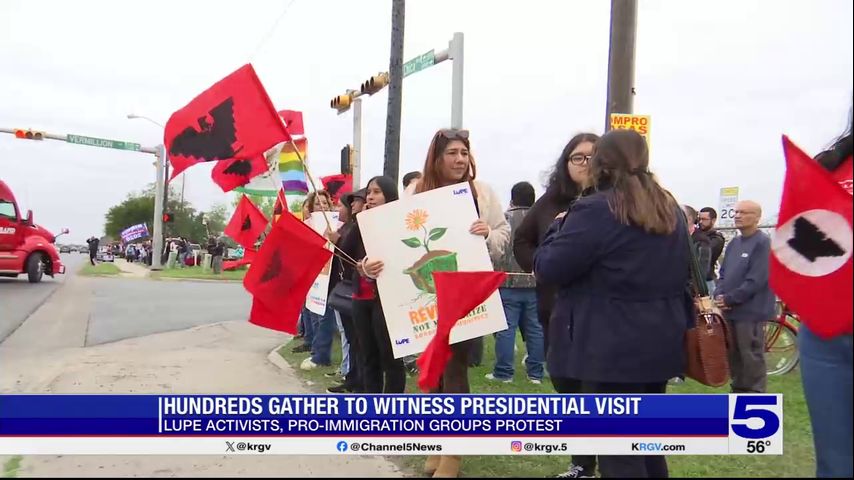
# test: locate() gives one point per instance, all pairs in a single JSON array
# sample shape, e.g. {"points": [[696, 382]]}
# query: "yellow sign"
{"points": [[626, 121]]}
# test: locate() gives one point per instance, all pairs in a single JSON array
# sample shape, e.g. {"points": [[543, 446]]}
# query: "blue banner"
{"points": [[364, 415]]}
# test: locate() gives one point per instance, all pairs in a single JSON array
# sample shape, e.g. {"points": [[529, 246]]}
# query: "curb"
{"points": [[277, 360], [201, 280]]}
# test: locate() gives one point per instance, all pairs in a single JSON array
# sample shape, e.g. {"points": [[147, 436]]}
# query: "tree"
{"points": [[188, 222], [264, 203], [391, 165]]}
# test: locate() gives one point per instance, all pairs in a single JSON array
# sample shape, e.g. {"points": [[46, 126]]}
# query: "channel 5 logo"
{"points": [[516, 446], [755, 416]]}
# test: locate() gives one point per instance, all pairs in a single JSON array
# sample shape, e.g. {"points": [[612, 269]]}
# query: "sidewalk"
{"points": [[45, 356], [131, 270]]}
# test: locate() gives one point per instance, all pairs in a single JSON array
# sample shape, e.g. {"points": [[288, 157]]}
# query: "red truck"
{"points": [[24, 246]]}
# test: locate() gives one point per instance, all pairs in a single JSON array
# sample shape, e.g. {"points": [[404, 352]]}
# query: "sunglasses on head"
{"points": [[452, 133]]}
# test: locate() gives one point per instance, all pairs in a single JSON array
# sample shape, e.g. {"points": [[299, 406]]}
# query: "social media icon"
{"points": [[516, 446], [342, 446]]}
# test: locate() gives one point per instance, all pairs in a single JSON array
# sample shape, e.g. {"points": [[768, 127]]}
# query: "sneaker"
{"points": [[535, 381], [676, 381], [307, 364], [524, 359], [492, 377], [332, 375], [576, 471], [301, 349], [340, 388]]}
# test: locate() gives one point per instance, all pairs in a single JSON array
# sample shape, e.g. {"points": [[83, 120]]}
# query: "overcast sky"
{"points": [[721, 80]]}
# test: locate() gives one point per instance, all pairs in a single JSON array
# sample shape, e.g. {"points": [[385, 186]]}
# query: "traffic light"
{"points": [[168, 218], [375, 83], [341, 102], [347, 160], [29, 135]]}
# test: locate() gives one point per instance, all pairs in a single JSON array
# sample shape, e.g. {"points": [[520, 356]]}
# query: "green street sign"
{"points": [[103, 143], [419, 63]]}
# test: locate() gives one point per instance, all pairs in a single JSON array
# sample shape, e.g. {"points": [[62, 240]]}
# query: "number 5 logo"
{"points": [[770, 420]]}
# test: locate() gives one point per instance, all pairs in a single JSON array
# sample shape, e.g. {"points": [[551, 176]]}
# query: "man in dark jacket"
{"points": [[745, 297], [707, 219], [93, 249], [700, 241]]}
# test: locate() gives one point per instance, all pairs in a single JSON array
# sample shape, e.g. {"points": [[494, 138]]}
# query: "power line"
{"points": [[272, 29]]}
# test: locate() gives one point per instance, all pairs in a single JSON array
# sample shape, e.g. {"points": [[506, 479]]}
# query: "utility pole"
{"points": [[455, 52], [621, 59], [391, 166], [159, 201]]}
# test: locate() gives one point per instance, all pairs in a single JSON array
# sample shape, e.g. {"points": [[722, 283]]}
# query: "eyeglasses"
{"points": [[452, 133], [579, 159]]}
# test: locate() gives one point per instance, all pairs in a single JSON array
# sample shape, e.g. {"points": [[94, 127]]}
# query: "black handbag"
{"points": [[341, 297]]}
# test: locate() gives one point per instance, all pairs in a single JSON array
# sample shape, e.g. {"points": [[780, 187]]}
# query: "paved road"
{"points": [[19, 298], [129, 308]]}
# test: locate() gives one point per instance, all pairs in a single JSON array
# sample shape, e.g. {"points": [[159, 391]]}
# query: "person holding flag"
{"points": [[811, 272]]}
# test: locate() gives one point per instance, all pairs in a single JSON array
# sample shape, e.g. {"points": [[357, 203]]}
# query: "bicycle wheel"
{"points": [[781, 348]]}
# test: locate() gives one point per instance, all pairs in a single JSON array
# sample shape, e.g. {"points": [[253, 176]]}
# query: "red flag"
{"points": [[279, 206], [237, 172], [283, 271], [248, 256], [246, 224], [232, 119], [457, 294], [811, 269], [293, 121], [337, 185]]}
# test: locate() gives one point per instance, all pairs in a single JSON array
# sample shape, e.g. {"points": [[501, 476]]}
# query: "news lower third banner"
{"points": [[391, 424]]}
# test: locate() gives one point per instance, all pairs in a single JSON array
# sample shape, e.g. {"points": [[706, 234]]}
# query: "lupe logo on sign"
{"points": [[401, 341], [461, 191]]}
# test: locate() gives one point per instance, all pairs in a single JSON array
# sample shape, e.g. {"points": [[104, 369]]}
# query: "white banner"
{"points": [[315, 302], [414, 237]]}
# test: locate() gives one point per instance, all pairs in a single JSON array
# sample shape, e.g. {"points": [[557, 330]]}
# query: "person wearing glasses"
{"points": [[566, 182], [620, 260], [449, 161]]}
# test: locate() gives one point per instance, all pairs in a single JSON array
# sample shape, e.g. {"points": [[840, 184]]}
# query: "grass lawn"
{"points": [[197, 273], [103, 268], [798, 459]]}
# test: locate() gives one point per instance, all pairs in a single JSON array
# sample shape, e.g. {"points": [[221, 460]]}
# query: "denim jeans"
{"points": [[520, 308], [324, 329], [826, 375], [307, 326], [344, 369]]}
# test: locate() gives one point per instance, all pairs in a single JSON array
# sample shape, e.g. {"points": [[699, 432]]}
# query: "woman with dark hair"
{"points": [[826, 364], [381, 372], [449, 161], [565, 185], [620, 260]]}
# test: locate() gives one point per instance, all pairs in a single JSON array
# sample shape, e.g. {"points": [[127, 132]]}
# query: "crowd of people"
{"points": [[607, 298]]}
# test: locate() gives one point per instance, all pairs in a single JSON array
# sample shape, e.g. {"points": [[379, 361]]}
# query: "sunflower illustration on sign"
{"points": [[421, 272]]}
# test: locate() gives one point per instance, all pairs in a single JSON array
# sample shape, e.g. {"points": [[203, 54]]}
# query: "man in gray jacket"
{"points": [[520, 301], [746, 299]]}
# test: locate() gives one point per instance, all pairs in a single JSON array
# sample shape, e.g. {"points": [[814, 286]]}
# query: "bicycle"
{"points": [[781, 341]]}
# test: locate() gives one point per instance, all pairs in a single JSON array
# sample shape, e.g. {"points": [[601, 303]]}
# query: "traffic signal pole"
{"points": [[161, 163], [357, 143], [342, 103]]}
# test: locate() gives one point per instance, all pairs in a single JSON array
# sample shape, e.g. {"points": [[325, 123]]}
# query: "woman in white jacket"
{"points": [[449, 162]]}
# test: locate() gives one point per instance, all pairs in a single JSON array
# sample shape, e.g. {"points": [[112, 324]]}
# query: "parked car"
{"points": [[105, 254], [83, 249], [65, 249]]}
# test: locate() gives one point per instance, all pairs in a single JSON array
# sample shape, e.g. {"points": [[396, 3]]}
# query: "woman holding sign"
{"points": [[449, 162], [381, 372]]}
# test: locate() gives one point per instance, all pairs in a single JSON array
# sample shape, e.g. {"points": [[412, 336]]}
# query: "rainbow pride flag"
{"points": [[291, 169]]}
